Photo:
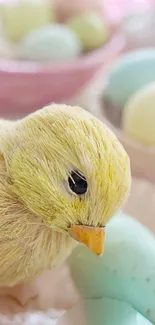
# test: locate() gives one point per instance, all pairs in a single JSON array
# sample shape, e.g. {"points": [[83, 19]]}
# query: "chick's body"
{"points": [[37, 206]]}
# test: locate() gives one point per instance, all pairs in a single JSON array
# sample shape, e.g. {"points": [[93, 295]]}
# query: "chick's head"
{"points": [[68, 168]]}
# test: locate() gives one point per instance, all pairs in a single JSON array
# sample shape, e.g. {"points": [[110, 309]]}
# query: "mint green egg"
{"points": [[103, 311], [91, 29], [112, 312], [125, 272], [55, 42], [128, 74]]}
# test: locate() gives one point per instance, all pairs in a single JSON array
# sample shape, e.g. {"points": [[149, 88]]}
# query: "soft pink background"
{"points": [[25, 87]]}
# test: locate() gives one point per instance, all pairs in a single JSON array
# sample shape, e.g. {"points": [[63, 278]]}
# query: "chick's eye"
{"points": [[77, 183]]}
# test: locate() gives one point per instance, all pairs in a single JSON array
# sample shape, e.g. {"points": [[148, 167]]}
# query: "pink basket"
{"points": [[25, 87]]}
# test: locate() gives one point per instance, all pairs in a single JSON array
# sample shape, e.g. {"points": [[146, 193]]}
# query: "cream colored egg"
{"points": [[139, 115], [22, 17]]}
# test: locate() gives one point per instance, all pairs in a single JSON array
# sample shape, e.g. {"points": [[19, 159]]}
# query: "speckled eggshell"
{"points": [[128, 74], [56, 43], [112, 312], [125, 272], [21, 17], [91, 29], [139, 115], [66, 9], [103, 311]]}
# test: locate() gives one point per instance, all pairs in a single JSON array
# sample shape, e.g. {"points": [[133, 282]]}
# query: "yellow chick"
{"points": [[63, 175]]}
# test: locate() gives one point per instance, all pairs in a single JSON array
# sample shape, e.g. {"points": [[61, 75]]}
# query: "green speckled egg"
{"points": [[21, 17], [103, 311], [125, 272], [91, 29], [112, 312], [128, 74], [51, 43]]}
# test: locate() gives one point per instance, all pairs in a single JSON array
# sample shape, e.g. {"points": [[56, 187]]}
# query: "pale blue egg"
{"points": [[128, 74], [54, 43], [125, 272]]}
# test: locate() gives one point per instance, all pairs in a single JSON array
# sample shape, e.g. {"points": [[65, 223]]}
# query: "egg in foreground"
{"points": [[103, 311], [125, 273]]}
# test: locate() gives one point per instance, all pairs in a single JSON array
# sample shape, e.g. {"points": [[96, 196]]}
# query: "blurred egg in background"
{"points": [[139, 115], [128, 74], [22, 16], [91, 29], [54, 42]]}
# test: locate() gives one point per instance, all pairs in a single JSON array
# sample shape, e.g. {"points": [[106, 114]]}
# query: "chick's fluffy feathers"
{"points": [[36, 209]]}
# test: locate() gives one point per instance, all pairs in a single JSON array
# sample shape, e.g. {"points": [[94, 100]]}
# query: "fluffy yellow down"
{"points": [[36, 208]]}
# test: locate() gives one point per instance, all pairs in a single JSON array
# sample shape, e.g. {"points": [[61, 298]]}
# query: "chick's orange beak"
{"points": [[92, 237]]}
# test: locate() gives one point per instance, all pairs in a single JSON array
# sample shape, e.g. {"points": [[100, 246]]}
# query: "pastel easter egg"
{"points": [[91, 29], [112, 312], [103, 311], [125, 272], [51, 43], [21, 17], [128, 74], [139, 115]]}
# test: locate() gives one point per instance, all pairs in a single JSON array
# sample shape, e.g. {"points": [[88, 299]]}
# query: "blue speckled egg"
{"points": [[125, 272], [54, 42], [128, 74], [112, 312]]}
